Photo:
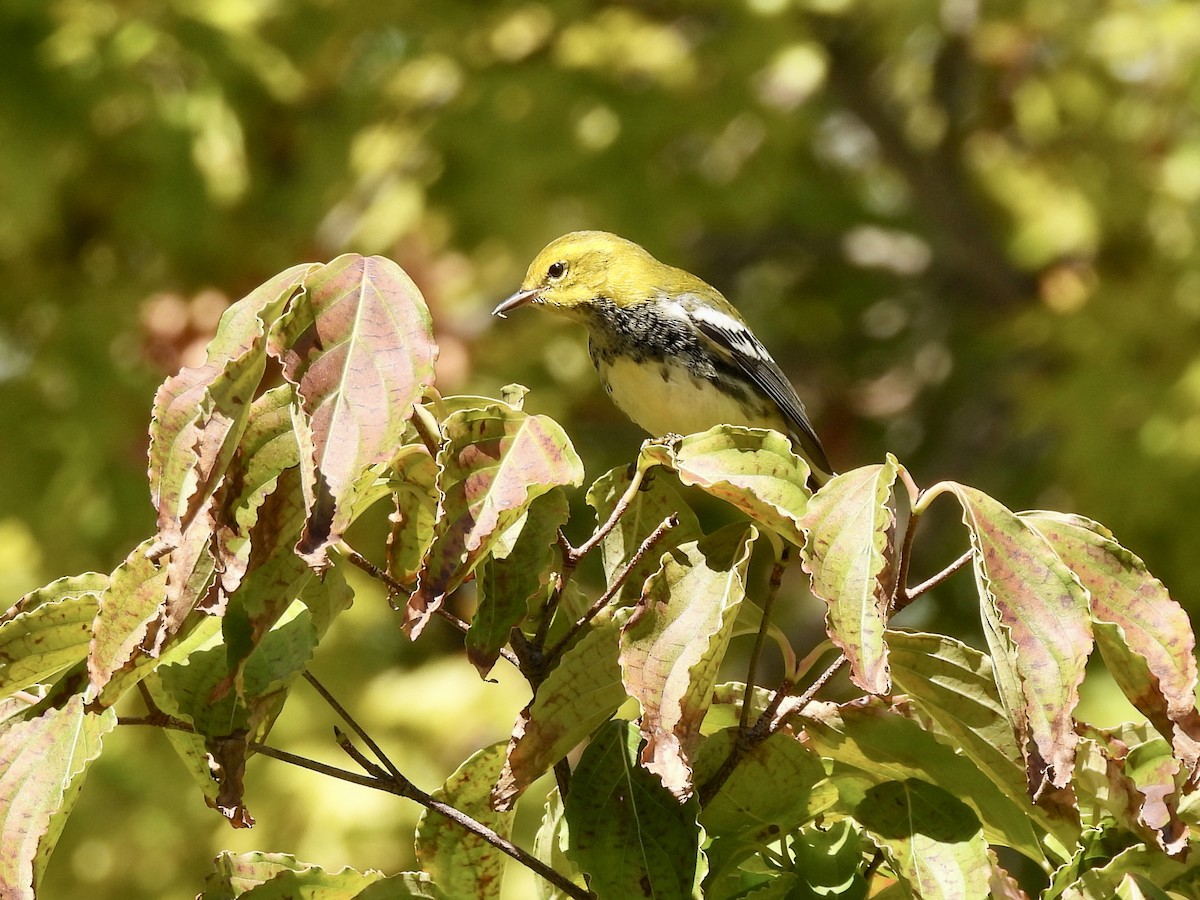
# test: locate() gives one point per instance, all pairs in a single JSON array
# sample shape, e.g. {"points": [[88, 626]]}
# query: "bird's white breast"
{"points": [[665, 398]]}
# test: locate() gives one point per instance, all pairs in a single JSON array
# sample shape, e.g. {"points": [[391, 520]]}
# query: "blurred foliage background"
{"points": [[968, 231]]}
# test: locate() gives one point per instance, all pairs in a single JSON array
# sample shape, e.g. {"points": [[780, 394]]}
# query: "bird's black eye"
{"points": [[557, 270]]}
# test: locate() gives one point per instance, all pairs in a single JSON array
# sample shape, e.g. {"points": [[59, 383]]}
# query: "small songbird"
{"points": [[674, 355]]}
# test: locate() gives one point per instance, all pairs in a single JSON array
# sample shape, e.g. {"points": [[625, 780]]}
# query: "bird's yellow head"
{"points": [[578, 268]]}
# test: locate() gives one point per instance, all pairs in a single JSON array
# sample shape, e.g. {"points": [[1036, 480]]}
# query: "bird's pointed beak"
{"points": [[520, 298]]}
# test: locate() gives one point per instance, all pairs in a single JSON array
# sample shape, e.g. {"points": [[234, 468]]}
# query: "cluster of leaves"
{"points": [[315, 403]]}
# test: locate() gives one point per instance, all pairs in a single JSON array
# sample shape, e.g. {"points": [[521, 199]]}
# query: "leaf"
{"points": [[550, 846], [1036, 620], [828, 861], [753, 470], [954, 686], [277, 876], [199, 417], [654, 501], [849, 554], [673, 645], [630, 836], [462, 864], [779, 785], [198, 413], [123, 630], [1145, 637], [579, 694], [933, 841], [506, 587], [875, 742], [414, 514], [42, 764], [268, 447], [49, 633], [358, 347], [493, 464]]}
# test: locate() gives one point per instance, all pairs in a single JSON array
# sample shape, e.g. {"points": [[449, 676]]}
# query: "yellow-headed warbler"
{"points": [[674, 355]]}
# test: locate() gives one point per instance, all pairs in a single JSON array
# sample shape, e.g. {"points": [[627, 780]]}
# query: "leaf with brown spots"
{"points": [[414, 474], [47, 630], [675, 641], [1145, 637], [358, 347], [578, 695], [1035, 616], [849, 555], [464, 865], [493, 463], [42, 764], [278, 876], [749, 468]]}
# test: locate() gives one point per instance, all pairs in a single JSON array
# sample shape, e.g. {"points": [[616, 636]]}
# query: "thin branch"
{"points": [[760, 639], [618, 582], [371, 768], [349, 720], [402, 787], [635, 485], [930, 583]]}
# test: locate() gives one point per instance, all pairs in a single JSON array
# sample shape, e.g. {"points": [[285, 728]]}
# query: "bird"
{"points": [[673, 354]]}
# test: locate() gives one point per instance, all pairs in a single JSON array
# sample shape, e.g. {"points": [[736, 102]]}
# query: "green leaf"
{"points": [[580, 693], [874, 742], [933, 841], [1036, 620], [42, 764], [1145, 637], [753, 470], [849, 553], [673, 645], [629, 834], [414, 476], [779, 785], [954, 686], [493, 464], [550, 846], [508, 586], [462, 864], [47, 631], [653, 503], [277, 876], [828, 861], [358, 347]]}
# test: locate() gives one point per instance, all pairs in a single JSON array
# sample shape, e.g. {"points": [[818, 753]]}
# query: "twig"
{"points": [[760, 639], [618, 582], [402, 787], [349, 720], [371, 768], [911, 594]]}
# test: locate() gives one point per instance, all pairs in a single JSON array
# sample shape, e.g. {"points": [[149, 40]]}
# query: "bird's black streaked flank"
{"points": [[674, 355]]}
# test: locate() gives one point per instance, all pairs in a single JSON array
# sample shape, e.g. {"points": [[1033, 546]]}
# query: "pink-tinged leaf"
{"points": [[198, 413], [1001, 885], [674, 643], [1036, 620], [358, 346], [415, 513], [47, 630], [122, 633], [578, 695], [655, 500], [850, 555], [464, 865], [493, 463], [752, 469], [42, 764], [1145, 636]]}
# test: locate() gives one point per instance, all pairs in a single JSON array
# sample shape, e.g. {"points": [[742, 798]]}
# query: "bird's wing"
{"points": [[735, 341]]}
